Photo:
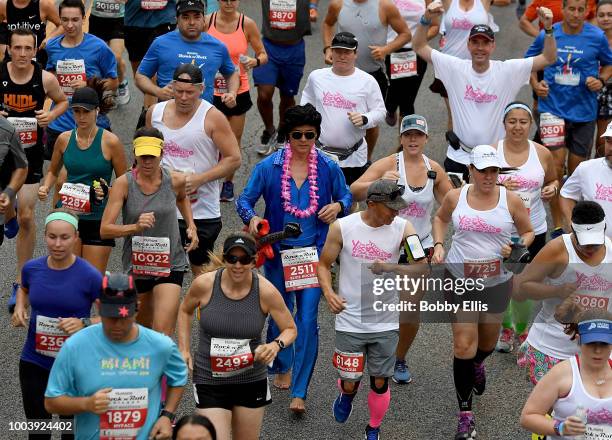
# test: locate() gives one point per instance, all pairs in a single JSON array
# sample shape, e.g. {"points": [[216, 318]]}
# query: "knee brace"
{"points": [[381, 390]]}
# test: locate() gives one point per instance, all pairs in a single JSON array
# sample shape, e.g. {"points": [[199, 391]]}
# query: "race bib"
{"points": [[49, 338], [482, 268], [68, 71], [591, 301], [403, 64], [107, 8], [349, 365], [526, 198], [229, 357], [598, 432], [220, 84], [300, 268], [126, 414], [153, 5], [283, 14], [552, 130], [151, 256], [75, 196], [567, 77], [27, 129]]}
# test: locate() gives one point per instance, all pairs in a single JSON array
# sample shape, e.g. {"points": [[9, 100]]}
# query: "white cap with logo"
{"points": [[484, 156]]}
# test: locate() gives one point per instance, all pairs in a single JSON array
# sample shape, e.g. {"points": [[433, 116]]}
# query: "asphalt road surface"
{"points": [[424, 409]]}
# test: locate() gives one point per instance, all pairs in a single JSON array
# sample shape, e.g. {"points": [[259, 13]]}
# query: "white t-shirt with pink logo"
{"points": [[361, 246], [592, 181], [477, 100], [411, 11], [334, 96], [593, 290]]}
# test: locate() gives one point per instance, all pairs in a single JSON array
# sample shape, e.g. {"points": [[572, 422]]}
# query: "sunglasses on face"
{"points": [[233, 259], [394, 194], [297, 135]]}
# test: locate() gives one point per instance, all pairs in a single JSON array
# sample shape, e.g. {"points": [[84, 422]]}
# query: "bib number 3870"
{"points": [[283, 14]]}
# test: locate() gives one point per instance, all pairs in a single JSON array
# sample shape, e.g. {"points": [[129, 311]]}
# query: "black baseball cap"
{"points": [[189, 5], [482, 30], [239, 241], [86, 98], [195, 74], [344, 40], [118, 298]]}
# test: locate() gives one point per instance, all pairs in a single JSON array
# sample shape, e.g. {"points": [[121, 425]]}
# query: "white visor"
{"points": [[590, 234]]}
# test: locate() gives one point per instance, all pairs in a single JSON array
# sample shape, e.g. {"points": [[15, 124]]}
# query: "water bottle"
{"points": [[581, 413], [243, 58]]}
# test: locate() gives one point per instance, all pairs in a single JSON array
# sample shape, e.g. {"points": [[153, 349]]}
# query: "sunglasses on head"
{"points": [[297, 135], [233, 259], [399, 191]]}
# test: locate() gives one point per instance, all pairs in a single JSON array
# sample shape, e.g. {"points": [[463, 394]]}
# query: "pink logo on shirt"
{"points": [[171, 148], [461, 23], [523, 182], [603, 192], [368, 251], [594, 282], [476, 224], [413, 210], [407, 5], [338, 101], [602, 416], [477, 95]]}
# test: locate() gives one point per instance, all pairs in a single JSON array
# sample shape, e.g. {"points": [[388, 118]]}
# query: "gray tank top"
{"points": [[163, 204], [285, 23], [230, 330], [363, 21]]}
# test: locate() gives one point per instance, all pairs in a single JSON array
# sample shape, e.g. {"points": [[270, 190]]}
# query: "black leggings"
{"points": [[33, 380], [402, 92]]}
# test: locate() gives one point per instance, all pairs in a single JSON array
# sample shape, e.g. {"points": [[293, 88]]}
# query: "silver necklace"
{"points": [[76, 135]]}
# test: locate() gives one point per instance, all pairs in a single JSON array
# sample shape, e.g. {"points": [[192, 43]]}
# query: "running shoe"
{"points": [[13, 299], [480, 378], [466, 428], [11, 228], [391, 119], [227, 192], [372, 433], [343, 406], [401, 374], [558, 232], [268, 142], [123, 93], [505, 343]]}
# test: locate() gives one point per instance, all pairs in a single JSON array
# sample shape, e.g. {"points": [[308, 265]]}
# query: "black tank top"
{"points": [[26, 18], [21, 100]]}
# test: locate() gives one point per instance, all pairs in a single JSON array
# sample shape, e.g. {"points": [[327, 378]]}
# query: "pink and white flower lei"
{"points": [[312, 180]]}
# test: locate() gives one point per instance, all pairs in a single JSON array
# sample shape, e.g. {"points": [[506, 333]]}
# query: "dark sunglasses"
{"points": [[297, 135], [394, 194], [233, 259]]}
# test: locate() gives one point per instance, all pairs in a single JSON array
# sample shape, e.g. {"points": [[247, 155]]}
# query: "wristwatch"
{"points": [[168, 414], [280, 343], [364, 119], [86, 322]]}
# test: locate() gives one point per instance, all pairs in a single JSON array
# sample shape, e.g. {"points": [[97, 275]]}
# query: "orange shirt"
{"points": [[556, 7]]}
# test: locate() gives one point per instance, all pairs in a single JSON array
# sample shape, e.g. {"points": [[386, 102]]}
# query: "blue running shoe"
{"points": [[343, 406], [401, 375], [372, 433], [558, 232], [13, 299], [11, 228], [227, 192]]}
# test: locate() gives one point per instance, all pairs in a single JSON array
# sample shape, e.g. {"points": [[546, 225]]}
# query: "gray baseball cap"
{"points": [[414, 122], [387, 192]]}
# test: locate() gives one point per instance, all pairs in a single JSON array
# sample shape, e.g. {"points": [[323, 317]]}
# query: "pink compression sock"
{"points": [[378, 404]]}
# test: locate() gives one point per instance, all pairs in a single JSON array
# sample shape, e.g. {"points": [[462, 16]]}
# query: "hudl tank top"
{"points": [[363, 21], [21, 101], [230, 329], [479, 237], [594, 290], [530, 176], [457, 24], [420, 203], [189, 149], [599, 411], [26, 18], [163, 203], [236, 44]]}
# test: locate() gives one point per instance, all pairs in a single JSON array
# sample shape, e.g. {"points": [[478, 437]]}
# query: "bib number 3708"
{"points": [[403, 65]]}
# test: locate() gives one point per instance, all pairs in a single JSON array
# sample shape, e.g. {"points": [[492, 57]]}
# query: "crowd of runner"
{"points": [[112, 353]]}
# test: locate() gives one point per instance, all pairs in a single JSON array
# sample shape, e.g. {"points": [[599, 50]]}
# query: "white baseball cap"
{"points": [[608, 132], [484, 156]]}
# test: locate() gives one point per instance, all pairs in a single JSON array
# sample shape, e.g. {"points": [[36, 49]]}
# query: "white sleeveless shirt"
{"points": [[598, 410], [479, 237], [190, 150], [594, 289], [457, 23], [530, 177], [420, 204], [361, 246]]}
